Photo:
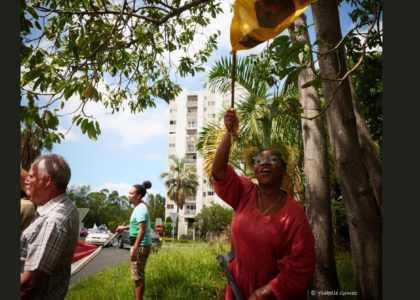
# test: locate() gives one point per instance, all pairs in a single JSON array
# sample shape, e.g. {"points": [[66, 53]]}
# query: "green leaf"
{"points": [[79, 120], [32, 11], [68, 92], [37, 25], [91, 131], [84, 125]]}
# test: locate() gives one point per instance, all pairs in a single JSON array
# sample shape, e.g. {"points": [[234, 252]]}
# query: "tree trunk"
{"points": [[371, 159], [317, 191], [362, 213]]}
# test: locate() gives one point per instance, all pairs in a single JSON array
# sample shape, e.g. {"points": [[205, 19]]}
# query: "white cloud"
{"points": [[221, 23], [131, 130], [120, 187], [137, 129]]}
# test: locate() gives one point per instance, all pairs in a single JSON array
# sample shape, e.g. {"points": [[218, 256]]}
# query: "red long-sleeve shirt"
{"points": [[277, 249]]}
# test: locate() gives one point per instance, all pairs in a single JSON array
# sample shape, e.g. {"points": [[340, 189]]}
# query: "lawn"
{"points": [[181, 271], [178, 271]]}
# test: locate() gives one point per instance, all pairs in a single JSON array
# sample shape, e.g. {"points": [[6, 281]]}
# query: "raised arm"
{"points": [[221, 158]]}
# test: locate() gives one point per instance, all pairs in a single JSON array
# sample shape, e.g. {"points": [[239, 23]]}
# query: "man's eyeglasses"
{"points": [[259, 159]]}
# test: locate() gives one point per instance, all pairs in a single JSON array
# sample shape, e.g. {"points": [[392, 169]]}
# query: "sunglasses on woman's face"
{"points": [[272, 159]]}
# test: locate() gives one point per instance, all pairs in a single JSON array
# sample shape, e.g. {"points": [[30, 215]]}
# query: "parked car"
{"points": [[98, 236], [124, 239], [83, 231]]}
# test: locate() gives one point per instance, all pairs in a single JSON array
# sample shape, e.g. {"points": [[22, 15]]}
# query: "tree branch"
{"points": [[173, 13]]}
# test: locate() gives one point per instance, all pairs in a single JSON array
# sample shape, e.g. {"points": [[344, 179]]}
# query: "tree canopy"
{"points": [[110, 208], [156, 207], [117, 53], [215, 218]]}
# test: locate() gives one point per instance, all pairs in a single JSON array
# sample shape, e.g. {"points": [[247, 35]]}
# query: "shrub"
{"points": [[215, 218]]}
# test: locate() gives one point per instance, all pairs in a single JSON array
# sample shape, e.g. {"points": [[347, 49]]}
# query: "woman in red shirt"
{"points": [[271, 236]]}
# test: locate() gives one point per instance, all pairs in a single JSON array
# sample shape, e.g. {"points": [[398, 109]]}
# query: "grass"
{"points": [[345, 273], [112, 283], [172, 273], [180, 271]]}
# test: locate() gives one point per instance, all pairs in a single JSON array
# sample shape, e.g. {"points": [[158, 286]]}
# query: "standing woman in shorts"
{"points": [[139, 235]]}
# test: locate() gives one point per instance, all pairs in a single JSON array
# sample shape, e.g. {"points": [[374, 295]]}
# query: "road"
{"points": [[106, 258]]}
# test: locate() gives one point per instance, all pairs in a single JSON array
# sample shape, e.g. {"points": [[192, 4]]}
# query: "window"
{"points": [[211, 103], [172, 122], [172, 132], [192, 124], [210, 193], [204, 194], [171, 145], [169, 206]]}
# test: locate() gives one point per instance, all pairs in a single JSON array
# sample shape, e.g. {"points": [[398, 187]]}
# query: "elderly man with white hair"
{"points": [[48, 243]]}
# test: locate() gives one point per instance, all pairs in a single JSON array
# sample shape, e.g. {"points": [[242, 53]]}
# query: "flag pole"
{"points": [[233, 74]]}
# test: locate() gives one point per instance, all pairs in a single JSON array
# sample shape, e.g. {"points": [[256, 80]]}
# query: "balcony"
{"points": [[191, 161], [191, 148], [191, 139], [192, 101], [190, 213]]}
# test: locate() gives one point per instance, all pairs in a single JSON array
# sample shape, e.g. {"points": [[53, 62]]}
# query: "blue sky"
{"points": [[133, 148]]}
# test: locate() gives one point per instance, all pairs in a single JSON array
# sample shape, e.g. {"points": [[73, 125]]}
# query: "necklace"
{"points": [[271, 206]]}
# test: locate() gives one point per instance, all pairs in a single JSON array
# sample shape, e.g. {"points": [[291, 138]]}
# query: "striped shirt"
{"points": [[48, 244]]}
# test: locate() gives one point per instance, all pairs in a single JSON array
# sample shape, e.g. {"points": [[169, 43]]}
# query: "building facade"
{"points": [[188, 113]]}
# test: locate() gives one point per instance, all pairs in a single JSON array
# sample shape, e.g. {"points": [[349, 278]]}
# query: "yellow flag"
{"points": [[255, 21]]}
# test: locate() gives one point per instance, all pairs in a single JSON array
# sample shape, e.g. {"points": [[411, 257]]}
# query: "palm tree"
{"points": [[37, 134], [181, 181], [264, 122]]}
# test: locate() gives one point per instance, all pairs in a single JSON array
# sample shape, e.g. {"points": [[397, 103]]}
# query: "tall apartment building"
{"points": [[188, 113]]}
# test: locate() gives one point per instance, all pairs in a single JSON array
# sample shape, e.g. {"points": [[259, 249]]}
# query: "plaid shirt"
{"points": [[48, 244]]}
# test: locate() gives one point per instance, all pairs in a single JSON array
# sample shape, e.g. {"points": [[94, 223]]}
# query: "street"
{"points": [[106, 258]]}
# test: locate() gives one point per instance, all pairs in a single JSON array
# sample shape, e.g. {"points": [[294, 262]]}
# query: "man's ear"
{"points": [[48, 181]]}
